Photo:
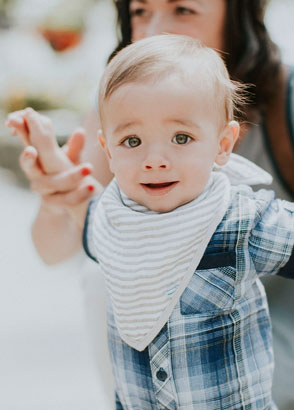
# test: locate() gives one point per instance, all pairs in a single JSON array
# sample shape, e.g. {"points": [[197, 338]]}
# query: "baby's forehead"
{"points": [[198, 76], [167, 102], [186, 85], [181, 58], [194, 79]]}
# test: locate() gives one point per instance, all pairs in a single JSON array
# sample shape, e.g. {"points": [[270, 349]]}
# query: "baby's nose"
{"points": [[155, 162], [153, 166]]}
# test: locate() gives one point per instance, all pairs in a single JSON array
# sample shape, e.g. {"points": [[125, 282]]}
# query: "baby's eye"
{"points": [[181, 139], [132, 142], [183, 11]]}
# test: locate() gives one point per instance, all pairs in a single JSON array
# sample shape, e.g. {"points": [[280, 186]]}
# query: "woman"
{"points": [[237, 30]]}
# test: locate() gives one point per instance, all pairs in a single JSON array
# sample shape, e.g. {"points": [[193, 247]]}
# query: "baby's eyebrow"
{"points": [[122, 127], [185, 123]]}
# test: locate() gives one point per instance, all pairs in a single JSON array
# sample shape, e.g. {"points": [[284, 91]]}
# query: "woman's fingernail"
{"points": [[30, 152], [85, 171], [90, 188]]}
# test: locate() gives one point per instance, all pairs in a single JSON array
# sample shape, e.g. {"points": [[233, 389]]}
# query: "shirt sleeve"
{"points": [[272, 239], [88, 229]]}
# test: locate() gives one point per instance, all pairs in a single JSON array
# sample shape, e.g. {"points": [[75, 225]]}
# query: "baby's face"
{"points": [[162, 140]]}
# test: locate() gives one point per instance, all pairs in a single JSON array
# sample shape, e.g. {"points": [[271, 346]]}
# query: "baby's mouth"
{"points": [[160, 185], [160, 188]]}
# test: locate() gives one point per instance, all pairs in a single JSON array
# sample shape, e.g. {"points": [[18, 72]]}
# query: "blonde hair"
{"points": [[155, 57]]}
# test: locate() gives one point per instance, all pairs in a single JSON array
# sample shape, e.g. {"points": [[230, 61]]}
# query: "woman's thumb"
{"points": [[75, 145]]}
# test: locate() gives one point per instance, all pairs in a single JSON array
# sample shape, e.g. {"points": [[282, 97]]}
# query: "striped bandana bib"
{"points": [[148, 258]]}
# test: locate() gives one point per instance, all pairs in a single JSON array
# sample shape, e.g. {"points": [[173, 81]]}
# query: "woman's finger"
{"points": [[75, 145], [84, 192], [40, 125], [63, 182], [42, 136], [17, 123], [28, 162]]}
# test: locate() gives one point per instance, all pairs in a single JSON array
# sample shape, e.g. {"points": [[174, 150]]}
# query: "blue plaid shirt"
{"points": [[215, 351]]}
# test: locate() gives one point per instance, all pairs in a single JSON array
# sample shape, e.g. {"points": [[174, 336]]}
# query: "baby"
{"points": [[180, 236]]}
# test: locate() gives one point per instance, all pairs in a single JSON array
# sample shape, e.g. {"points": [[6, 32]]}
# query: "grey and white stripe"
{"points": [[148, 257]]}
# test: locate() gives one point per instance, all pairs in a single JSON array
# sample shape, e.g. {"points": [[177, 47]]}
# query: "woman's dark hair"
{"points": [[251, 56]]}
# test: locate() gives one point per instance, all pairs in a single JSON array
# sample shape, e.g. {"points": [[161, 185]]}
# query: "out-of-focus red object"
{"points": [[61, 40]]}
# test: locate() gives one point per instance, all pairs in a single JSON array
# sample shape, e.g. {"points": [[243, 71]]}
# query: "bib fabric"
{"points": [[148, 258]]}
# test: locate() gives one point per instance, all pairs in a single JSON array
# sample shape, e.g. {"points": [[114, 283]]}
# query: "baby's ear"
{"points": [[101, 137], [227, 141], [103, 143]]}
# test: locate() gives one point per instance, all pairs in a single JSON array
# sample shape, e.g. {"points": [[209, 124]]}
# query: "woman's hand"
{"points": [[64, 184], [52, 171], [34, 129]]}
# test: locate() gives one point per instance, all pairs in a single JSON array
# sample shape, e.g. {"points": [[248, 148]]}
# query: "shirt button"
{"points": [[161, 375]]}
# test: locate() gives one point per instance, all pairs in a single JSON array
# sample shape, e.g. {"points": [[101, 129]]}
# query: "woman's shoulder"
{"points": [[269, 143], [278, 128], [290, 103]]}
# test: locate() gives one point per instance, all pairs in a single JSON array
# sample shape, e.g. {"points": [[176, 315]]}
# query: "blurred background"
{"points": [[52, 56]]}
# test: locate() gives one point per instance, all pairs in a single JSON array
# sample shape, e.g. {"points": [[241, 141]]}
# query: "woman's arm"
{"points": [[56, 234], [56, 237]]}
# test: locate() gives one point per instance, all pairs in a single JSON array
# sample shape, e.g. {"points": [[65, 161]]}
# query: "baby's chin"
{"points": [[161, 208], [164, 207], [156, 206]]}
